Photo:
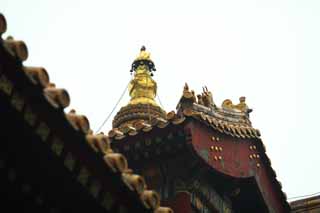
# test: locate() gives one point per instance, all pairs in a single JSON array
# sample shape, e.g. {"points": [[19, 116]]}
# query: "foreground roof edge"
{"points": [[15, 52]]}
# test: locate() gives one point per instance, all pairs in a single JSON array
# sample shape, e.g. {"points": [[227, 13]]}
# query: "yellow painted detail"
{"points": [[143, 89]]}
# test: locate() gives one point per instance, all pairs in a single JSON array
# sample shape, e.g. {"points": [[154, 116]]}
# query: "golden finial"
{"points": [[143, 59], [144, 55], [143, 88]]}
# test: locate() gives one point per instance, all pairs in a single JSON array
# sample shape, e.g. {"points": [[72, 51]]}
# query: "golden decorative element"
{"points": [[142, 90], [215, 158], [250, 156], [212, 148], [220, 158], [213, 138], [43, 131], [207, 98], [69, 161], [143, 55], [17, 101], [187, 94], [241, 107], [83, 176], [6, 85], [258, 165], [200, 101], [227, 104], [254, 147], [220, 149], [57, 146]]}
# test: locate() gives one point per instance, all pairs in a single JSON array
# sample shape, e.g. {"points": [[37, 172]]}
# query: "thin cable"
{"points": [[104, 122], [160, 101], [304, 195]]}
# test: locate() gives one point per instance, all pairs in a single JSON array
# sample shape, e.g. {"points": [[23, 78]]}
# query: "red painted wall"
{"points": [[181, 203], [232, 157]]}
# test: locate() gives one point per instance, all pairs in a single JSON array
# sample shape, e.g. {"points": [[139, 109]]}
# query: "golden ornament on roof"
{"points": [[142, 88], [142, 106], [144, 55]]}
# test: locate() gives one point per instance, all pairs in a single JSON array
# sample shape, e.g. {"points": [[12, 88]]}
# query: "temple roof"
{"points": [[229, 119], [129, 133], [33, 95], [310, 204]]}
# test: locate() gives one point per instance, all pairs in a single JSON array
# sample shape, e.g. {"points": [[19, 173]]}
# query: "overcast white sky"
{"points": [[267, 51]]}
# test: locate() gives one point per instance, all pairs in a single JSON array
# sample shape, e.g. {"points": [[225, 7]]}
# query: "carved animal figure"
{"points": [[207, 97]]}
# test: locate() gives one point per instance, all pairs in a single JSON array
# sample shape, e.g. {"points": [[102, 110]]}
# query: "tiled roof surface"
{"points": [[310, 204], [225, 127], [57, 100], [239, 130], [227, 121]]}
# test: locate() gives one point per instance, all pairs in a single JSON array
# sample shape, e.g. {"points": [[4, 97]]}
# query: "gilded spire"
{"points": [[142, 106], [143, 89], [144, 55]]}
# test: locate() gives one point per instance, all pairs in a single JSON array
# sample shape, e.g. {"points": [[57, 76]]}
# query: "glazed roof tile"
{"points": [[234, 129], [311, 204], [58, 100], [225, 127]]}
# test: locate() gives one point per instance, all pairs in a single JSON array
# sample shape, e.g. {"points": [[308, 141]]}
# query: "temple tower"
{"points": [[200, 158]]}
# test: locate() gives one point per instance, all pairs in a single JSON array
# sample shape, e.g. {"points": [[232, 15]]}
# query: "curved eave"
{"points": [[41, 105], [244, 132]]}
